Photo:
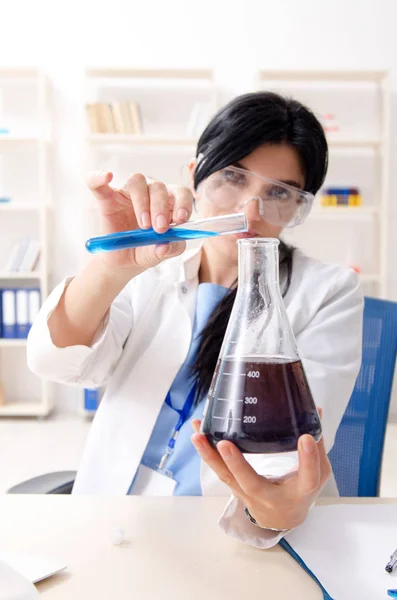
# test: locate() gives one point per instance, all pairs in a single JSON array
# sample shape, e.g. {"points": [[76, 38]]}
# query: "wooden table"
{"points": [[175, 550]]}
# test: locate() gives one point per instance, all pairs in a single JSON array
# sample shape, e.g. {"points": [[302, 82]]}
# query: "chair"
{"points": [[60, 482], [357, 453]]}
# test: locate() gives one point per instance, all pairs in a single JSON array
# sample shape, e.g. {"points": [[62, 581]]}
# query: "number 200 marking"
{"points": [[249, 420], [254, 374]]}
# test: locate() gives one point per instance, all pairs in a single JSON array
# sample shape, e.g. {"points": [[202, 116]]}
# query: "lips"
{"points": [[246, 234]]}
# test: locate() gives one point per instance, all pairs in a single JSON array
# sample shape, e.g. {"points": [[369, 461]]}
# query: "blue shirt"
{"points": [[184, 462]]}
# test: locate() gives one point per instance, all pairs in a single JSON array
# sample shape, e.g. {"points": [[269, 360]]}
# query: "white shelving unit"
{"points": [[147, 140], [359, 104], [166, 99], [25, 108]]}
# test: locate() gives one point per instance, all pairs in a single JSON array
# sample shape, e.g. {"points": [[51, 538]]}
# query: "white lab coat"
{"points": [[143, 342]]}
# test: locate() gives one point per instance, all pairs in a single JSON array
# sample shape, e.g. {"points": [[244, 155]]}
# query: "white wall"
{"points": [[235, 38]]}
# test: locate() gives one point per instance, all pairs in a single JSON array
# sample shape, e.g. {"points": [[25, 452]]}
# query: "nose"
{"points": [[252, 210]]}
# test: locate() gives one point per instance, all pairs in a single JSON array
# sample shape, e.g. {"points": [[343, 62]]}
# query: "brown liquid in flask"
{"points": [[259, 396], [261, 406]]}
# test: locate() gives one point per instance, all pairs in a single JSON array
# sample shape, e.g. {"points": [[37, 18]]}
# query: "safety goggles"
{"points": [[280, 204]]}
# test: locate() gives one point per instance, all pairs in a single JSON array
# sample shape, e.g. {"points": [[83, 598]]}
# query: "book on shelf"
{"points": [[2, 399], [19, 308], [123, 118], [23, 256], [114, 117]]}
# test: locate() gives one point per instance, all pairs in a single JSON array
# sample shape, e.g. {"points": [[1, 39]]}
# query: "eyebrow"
{"points": [[290, 182]]}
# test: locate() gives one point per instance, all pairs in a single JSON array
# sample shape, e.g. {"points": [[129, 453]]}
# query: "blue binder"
{"points": [[22, 313], [91, 399], [8, 302]]}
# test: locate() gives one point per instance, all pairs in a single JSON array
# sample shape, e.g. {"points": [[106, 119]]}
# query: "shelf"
{"points": [[150, 73], [343, 212], [354, 143], [20, 275], [20, 207], [24, 409], [17, 139], [13, 343], [120, 138], [123, 138], [369, 278], [323, 75], [88, 413], [19, 72]]}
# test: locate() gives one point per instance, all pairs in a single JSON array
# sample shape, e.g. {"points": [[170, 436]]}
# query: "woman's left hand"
{"points": [[281, 504]]}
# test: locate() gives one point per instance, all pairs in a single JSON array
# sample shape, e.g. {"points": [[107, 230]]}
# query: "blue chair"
{"points": [[357, 453]]}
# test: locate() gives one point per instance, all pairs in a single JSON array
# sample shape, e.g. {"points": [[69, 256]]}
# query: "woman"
{"points": [[146, 325]]}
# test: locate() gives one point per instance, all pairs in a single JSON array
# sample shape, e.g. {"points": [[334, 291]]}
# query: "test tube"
{"points": [[201, 228]]}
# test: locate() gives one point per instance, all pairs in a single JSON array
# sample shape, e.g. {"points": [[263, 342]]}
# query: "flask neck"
{"points": [[258, 264]]}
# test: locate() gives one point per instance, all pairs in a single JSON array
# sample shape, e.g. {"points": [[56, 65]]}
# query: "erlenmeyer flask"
{"points": [[259, 397]]}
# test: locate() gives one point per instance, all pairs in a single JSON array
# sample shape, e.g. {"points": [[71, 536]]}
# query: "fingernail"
{"points": [[145, 218], [161, 221], [170, 249], [182, 214], [225, 452], [307, 443]]}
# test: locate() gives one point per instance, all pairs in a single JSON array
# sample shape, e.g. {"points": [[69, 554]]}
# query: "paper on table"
{"points": [[347, 547], [34, 568]]}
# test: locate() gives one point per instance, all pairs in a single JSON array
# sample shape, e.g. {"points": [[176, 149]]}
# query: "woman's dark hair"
{"points": [[247, 122]]}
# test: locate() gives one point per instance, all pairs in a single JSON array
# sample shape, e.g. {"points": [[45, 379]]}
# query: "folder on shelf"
{"points": [[22, 313], [345, 549], [91, 399], [8, 302], [34, 305]]}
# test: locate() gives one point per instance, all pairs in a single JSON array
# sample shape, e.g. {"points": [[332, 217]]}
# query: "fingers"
{"points": [[247, 478], [164, 251], [325, 465], [137, 189], [196, 423], [215, 462], [309, 473], [150, 202], [153, 204], [98, 183], [159, 206], [183, 205]]}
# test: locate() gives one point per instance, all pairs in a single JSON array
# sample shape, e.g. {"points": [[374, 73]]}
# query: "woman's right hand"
{"points": [[138, 205]]}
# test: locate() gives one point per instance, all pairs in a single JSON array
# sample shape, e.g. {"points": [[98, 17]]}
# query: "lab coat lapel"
{"points": [[124, 423]]}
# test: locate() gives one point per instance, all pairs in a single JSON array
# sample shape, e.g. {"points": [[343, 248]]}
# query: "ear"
{"points": [[192, 168]]}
